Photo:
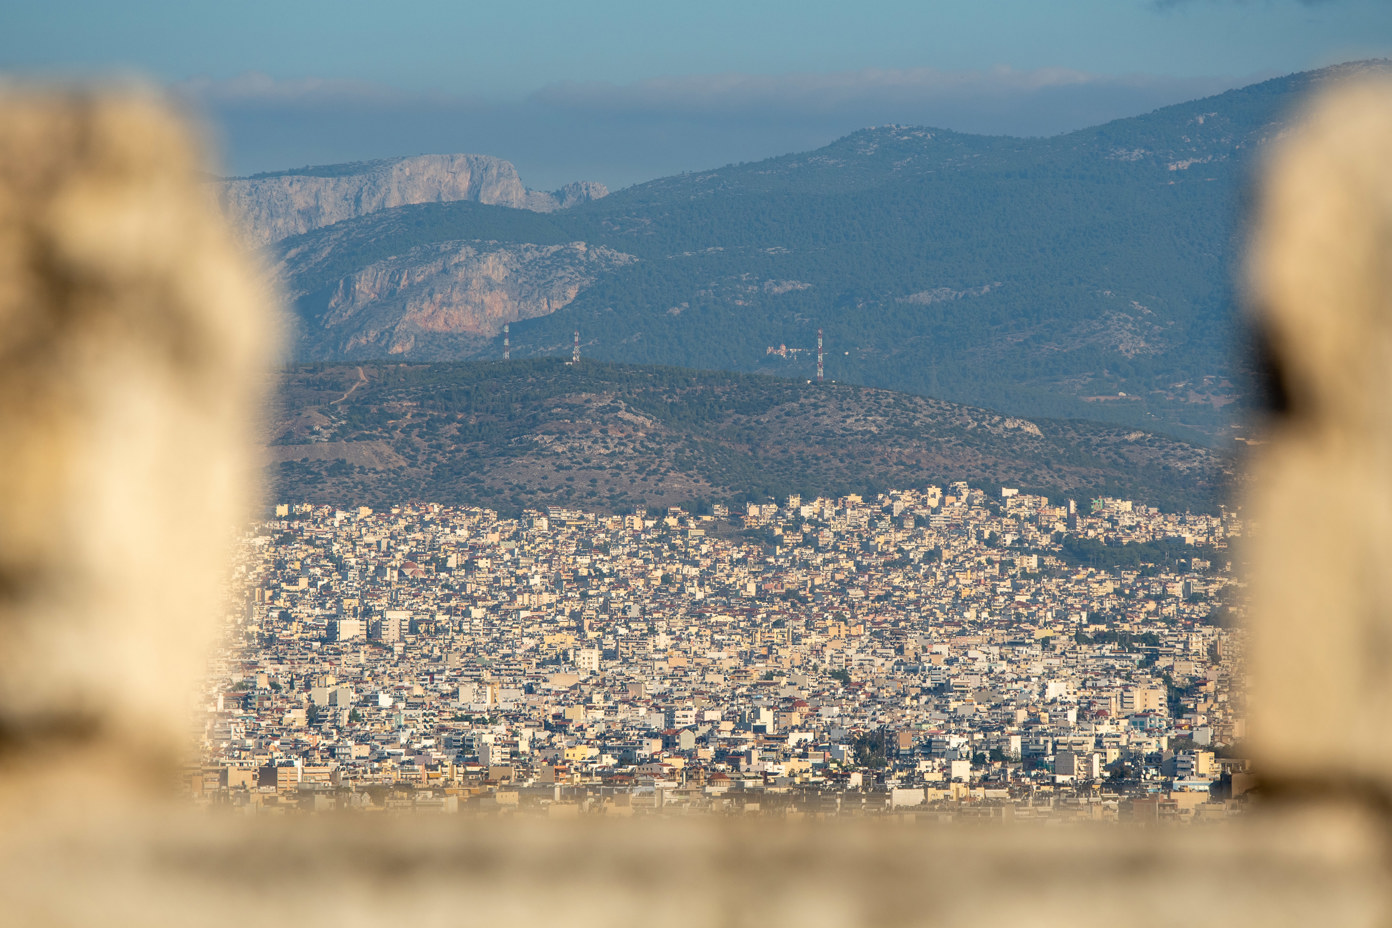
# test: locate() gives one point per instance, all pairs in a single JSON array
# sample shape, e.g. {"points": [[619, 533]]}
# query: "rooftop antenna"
{"points": [[819, 356], [575, 352], [507, 342]]}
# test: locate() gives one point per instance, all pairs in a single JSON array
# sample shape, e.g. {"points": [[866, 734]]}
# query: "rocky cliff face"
{"points": [[437, 300], [581, 191], [276, 206]]}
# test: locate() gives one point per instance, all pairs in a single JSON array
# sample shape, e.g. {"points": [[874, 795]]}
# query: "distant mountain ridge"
{"points": [[280, 204], [1088, 275]]}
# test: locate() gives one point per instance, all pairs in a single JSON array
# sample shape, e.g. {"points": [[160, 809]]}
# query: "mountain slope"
{"points": [[608, 437], [1086, 275]]}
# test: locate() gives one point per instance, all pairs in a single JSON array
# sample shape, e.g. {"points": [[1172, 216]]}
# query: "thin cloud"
{"points": [[254, 87], [1175, 4], [810, 92], [623, 134]]}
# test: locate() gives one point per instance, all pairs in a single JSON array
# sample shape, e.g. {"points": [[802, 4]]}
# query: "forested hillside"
{"points": [[606, 437]]}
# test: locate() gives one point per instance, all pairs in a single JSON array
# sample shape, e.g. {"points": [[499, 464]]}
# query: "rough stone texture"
{"points": [[1321, 275], [131, 341], [133, 350], [276, 206], [1322, 869], [444, 296]]}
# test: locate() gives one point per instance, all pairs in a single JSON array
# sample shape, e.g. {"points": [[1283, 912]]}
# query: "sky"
{"points": [[620, 91]]}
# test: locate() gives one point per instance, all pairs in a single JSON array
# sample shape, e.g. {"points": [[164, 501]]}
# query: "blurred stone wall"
{"points": [[133, 358]]}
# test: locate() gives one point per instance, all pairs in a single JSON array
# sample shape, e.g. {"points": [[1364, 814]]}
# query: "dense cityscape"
{"points": [[928, 653]]}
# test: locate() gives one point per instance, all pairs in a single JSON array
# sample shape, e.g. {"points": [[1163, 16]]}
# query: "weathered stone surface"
{"points": [[1321, 275], [134, 342], [1325, 868], [276, 206]]}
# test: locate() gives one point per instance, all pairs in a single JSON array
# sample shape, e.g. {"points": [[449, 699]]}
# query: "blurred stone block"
{"points": [[1320, 277], [134, 344]]}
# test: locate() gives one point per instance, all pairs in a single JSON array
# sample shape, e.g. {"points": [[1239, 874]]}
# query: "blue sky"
{"points": [[620, 91]]}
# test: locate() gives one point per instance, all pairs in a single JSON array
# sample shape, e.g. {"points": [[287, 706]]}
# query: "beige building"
{"points": [[1138, 699]]}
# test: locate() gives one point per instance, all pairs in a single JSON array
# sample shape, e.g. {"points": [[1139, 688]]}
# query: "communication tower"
{"points": [[507, 342], [819, 356], [575, 351]]}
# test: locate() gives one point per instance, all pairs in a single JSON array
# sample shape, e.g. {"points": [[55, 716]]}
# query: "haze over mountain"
{"points": [[1084, 275], [275, 205]]}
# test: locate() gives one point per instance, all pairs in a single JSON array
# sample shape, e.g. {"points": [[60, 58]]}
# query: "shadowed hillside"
{"points": [[610, 437]]}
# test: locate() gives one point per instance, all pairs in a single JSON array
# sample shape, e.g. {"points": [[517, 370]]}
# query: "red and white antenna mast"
{"points": [[575, 352], [819, 356], [507, 342]]}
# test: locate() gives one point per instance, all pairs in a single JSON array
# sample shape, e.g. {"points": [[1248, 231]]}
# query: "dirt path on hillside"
{"points": [[362, 379]]}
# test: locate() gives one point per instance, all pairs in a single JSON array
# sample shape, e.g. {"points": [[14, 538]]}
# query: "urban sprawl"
{"points": [[938, 652]]}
